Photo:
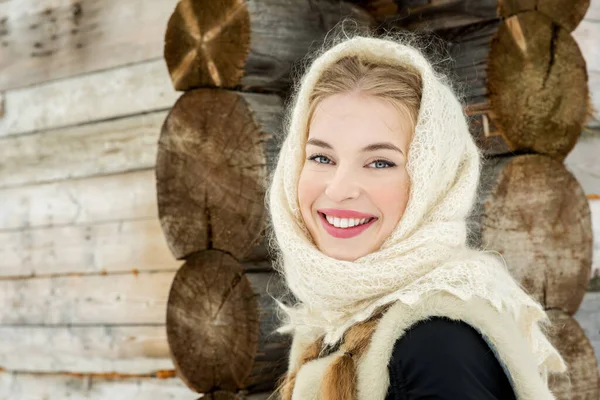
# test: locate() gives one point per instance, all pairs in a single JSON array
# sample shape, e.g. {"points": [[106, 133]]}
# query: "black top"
{"points": [[443, 359]]}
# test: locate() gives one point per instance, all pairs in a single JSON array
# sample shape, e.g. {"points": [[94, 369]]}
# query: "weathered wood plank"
{"points": [[595, 209], [588, 318], [587, 35], [82, 99], [594, 85], [583, 163], [593, 12], [119, 246], [49, 387], [118, 299], [108, 247], [107, 147], [52, 39], [126, 196], [105, 299], [94, 349]]}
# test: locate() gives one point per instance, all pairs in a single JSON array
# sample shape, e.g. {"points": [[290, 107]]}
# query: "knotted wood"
{"points": [[247, 45], [220, 325], [570, 340], [525, 82], [535, 214], [214, 153]]}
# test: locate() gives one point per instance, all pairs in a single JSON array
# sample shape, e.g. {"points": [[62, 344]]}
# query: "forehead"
{"points": [[359, 118]]}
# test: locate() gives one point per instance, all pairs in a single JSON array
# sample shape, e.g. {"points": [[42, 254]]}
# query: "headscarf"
{"points": [[427, 251]]}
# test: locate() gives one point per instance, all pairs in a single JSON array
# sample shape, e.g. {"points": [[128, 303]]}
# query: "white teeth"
{"points": [[345, 222]]}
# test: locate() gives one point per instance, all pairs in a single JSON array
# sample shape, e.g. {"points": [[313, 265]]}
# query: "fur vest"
{"points": [[499, 330]]}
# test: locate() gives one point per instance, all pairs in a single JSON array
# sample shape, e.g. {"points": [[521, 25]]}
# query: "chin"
{"points": [[342, 254]]}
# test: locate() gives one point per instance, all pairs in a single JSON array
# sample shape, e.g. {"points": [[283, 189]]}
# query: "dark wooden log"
{"points": [[247, 45], [214, 153], [220, 325], [442, 14], [525, 83], [570, 340], [534, 213], [379, 9]]}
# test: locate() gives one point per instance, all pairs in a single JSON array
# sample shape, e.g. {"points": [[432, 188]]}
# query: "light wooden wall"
{"points": [[84, 268]]}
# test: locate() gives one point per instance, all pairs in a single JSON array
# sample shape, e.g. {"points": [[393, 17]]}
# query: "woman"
{"points": [[368, 203]]}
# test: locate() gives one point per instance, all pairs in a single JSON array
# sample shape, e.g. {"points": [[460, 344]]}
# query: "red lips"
{"points": [[346, 233]]}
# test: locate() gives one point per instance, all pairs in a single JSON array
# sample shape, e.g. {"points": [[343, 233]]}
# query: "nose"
{"points": [[342, 186]]}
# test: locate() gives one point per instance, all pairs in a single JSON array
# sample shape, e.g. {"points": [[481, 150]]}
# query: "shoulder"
{"points": [[440, 355], [441, 336]]}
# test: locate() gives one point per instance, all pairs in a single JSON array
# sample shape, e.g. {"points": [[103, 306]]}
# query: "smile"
{"points": [[345, 232]]}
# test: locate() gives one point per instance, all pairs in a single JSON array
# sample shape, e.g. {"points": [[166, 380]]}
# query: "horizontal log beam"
{"points": [[56, 39], [103, 95]]}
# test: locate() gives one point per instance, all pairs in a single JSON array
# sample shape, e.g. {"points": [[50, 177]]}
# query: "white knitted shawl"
{"points": [[428, 249]]}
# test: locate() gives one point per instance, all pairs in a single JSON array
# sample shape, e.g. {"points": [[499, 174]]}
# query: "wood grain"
{"points": [[212, 168], [232, 44], [118, 299], [220, 325], [127, 196], [442, 14], [116, 246], [38, 387], [545, 112], [546, 238], [570, 340], [85, 349], [107, 147], [54, 39], [103, 95]]}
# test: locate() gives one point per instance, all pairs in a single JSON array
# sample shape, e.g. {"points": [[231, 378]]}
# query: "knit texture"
{"points": [[427, 251]]}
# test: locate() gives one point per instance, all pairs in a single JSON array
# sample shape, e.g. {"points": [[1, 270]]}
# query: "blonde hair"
{"points": [[400, 86]]}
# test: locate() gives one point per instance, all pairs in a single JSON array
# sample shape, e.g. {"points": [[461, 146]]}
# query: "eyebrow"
{"points": [[371, 147]]}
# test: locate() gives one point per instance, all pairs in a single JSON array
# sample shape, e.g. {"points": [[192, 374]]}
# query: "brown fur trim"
{"points": [[286, 385], [339, 381]]}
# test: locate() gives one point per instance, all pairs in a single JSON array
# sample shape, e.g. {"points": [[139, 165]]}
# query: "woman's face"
{"points": [[354, 172]]}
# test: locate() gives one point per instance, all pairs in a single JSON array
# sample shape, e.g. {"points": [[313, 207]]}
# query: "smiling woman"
{"points": [[368, 202], [354, 186]]}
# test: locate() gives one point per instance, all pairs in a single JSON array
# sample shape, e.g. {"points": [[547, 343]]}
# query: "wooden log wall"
{"points": [[85, 270], [217, 146]]}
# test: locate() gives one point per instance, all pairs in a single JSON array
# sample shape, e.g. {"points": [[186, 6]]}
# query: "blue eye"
{"points": [[315, 158], [381, 164]]}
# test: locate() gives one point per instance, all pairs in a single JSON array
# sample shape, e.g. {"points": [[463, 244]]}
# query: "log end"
{"points": [[207, 43], [537, 84], [212, 323], [568, 14], [546, 239], [210, 174], [570, 340]]}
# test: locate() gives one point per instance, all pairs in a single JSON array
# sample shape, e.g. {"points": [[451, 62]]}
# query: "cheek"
{"points": [[391, 199], [309, 190]]}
